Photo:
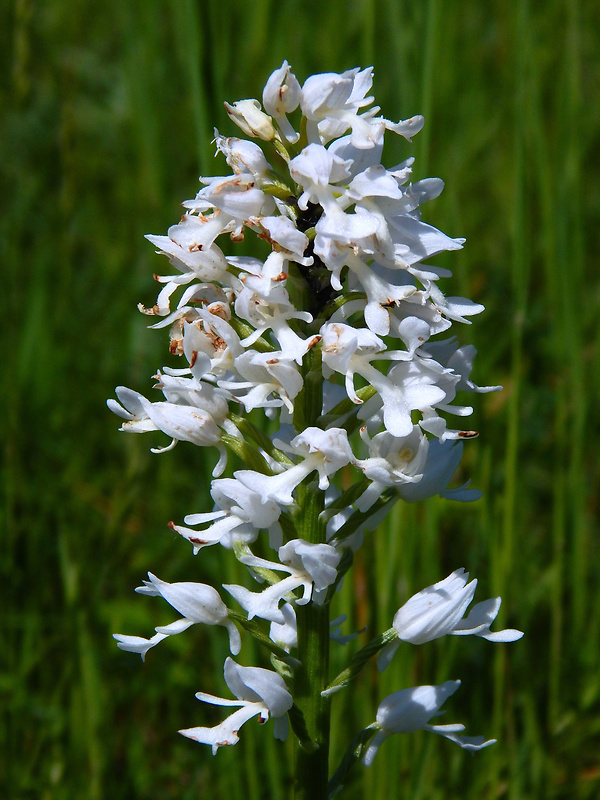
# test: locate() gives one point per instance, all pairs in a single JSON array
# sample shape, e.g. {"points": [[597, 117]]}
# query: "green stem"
{"points": [[312, 768], [311, 678]]}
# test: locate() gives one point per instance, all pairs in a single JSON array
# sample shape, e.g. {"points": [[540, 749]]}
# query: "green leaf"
{"points": [[347, 408], [352, 755], [359, 659], [247, 453], [298, 724], [261, 635], [250, 431], [348, 497], [243, 330], [360, 517]]}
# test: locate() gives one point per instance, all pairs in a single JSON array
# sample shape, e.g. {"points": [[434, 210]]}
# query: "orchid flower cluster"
{"points": [[316, 368]]}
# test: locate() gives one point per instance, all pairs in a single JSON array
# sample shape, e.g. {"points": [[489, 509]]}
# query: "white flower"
{"points": [[382, 295], [323, 451], [240, 513], [196, 602], [194, 260], [210, 344], [438, 610], [478, 622], [317, 562], [281, 96], [193, 392], [410, 710], [408, 386], [259, 691], [393, 461], [248, 115], [235, 196], [137, 644], [441, 463], [190, 247], [285, 633], [183, 423], [272, 312], [311, 566], [460, 361], [332, 102], [262, 375], [180, 422], [243, 156], [434, 611], [131, 410]]}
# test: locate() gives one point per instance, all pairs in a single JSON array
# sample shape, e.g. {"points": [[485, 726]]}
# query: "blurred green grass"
{"points": [[107, 116]]}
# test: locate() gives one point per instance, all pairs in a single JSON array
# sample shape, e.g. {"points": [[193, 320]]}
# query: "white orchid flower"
{"points": [[196, 602], [439, 609], [260, 692], [311, 567], [410, 710]]}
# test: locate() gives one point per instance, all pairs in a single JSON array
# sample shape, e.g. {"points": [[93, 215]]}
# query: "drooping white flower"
{"points": [[137, 644], [184, 423], [439, 609], [410, 710], [181, 422], [196, 602], [260, 692]]}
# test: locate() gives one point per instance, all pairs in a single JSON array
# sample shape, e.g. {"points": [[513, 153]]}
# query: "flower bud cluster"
{"points": [[330, 336]]}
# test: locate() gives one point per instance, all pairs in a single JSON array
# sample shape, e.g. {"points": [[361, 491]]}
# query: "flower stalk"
{"points": [[312, 764], [312, 767]]}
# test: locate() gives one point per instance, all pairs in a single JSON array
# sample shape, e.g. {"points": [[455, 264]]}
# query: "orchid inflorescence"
{"points": [[331, 336]]}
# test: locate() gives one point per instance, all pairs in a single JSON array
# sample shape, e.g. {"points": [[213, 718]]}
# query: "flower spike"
{"points": [[319, 368]]}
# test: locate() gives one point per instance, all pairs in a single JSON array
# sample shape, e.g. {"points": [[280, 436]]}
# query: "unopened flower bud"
{"points": [[248, 115]]}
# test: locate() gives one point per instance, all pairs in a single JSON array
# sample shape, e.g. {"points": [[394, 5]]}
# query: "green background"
{"points": [[107, 118]]}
